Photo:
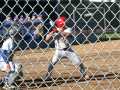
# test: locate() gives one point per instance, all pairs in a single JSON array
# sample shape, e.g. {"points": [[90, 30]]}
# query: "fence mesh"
{"points": [[94, 33]]}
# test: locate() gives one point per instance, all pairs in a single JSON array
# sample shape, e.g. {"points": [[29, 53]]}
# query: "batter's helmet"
{"points": [[60, 22]]}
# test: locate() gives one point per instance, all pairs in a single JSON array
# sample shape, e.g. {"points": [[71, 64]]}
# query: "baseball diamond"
{"points": [[68, 72], [59, 44]]}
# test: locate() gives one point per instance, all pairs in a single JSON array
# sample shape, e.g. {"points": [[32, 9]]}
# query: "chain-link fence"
{"points": [[59, 44]]}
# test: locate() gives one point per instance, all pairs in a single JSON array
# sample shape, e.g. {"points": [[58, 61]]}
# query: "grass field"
{"points": [[110, 36]]}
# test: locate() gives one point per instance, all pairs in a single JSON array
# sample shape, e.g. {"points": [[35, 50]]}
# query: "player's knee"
{"points": [[77, 62]]}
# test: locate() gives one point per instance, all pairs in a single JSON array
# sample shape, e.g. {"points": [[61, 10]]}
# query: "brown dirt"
{"points": [[99, 58]]}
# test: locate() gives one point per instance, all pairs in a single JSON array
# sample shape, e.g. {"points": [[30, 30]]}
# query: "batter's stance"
{"points": [[60, 34]]}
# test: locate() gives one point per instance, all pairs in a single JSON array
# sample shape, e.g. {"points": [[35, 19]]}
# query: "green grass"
{"points": [[110, 36]]}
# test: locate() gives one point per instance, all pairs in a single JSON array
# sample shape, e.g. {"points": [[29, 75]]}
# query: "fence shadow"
{"points": [[38, 82]]}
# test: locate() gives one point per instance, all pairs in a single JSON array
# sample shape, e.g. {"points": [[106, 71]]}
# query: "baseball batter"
{"points": [[60, 34]]}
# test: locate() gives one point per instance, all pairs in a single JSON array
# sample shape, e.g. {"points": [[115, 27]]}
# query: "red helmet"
{"points": [[60, 22]]}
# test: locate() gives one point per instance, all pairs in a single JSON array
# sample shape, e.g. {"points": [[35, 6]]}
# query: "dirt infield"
{"points": [[101, 60]]}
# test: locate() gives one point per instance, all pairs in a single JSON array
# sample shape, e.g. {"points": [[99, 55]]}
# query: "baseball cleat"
{"points": [[47, 77], [1, 83], [9, 87], [10, 78]]}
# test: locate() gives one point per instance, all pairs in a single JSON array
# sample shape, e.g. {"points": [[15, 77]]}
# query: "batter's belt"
{"points": [[68, 49]]}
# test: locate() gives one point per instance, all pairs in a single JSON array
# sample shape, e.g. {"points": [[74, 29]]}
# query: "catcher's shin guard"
{"points": [[10, 78], [13, 75]]}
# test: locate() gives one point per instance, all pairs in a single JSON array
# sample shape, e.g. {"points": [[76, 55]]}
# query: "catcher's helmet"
{"points": [[60, 22]]}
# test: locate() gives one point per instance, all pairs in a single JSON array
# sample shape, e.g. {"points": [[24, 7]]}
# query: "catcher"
{"points": [[12, 69], [59, 34]]}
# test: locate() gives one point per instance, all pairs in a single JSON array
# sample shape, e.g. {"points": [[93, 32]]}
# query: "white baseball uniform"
{"points": [[63, 49], [7, 46]]}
